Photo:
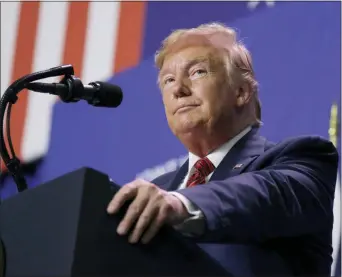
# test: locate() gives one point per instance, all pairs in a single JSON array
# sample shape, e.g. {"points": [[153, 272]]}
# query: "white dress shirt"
{"points": [[195, 224]]}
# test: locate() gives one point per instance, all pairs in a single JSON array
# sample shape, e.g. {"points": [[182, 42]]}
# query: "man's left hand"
{"points": [[150, 209]]}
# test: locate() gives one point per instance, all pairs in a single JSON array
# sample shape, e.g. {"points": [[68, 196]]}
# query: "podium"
{"points": [[61, 228]]}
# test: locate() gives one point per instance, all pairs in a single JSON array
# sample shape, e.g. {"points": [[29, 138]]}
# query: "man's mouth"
{"points": [[185, 108]]}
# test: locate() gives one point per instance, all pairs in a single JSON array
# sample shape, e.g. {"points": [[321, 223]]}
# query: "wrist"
{"points": [[181, 213]]}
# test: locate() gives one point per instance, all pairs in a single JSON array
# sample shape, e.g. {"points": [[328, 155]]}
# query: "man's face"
{"points": [[195, 90]]}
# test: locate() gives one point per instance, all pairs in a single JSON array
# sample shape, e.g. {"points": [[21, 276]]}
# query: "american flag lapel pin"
{"points": [[237, 166]]}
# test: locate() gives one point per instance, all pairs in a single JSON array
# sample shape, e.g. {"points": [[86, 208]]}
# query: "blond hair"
{"points": [[239, 57]]}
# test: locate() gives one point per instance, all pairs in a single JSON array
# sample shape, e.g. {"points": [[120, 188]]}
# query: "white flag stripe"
{"points": [[48, 53], [9, 22], [100, 42]]}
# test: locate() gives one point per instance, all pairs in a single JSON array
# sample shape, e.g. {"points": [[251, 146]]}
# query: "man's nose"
{"points": [[182, 88]]}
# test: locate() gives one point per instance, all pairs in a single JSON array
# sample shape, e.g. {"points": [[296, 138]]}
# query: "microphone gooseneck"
{"points": [[69, 89]]}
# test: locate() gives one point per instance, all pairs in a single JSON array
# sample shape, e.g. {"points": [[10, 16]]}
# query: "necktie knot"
{"points": [[203, 168]]}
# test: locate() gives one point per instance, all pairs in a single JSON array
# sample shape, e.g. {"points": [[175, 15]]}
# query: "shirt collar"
{"points": [[217, 155]]}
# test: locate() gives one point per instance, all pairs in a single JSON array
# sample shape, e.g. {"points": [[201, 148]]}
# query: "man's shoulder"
{"points": [[308, 147], [304, 142], [299, 146]]}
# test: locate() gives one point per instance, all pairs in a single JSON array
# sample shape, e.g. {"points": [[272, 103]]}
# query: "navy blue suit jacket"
{"points": [[272, 214]]}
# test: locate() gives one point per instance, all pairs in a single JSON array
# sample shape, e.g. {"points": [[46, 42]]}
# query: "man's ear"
{"points": [[243, 94]]}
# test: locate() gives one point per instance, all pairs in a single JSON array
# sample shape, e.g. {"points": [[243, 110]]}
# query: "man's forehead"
{"points": [[189, 55], [191, 58], [217, 40], [208, 45]]}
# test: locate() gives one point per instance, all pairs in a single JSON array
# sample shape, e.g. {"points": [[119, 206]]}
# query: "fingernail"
{"points": [[121, 230], [111, 209], [132, 239]]}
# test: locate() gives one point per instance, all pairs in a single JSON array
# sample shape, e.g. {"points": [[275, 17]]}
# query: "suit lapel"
{"points": [[245, 151], [178, 177]]}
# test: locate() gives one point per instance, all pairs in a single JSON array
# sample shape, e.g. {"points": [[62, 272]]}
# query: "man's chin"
{"points": [[190, 128]]}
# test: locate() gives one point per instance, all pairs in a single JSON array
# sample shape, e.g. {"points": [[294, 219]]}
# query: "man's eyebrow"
{"points": [[197, 60], [189, 64]]}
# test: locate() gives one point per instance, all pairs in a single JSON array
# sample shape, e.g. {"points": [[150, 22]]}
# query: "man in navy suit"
{"points": [[258, 208]]}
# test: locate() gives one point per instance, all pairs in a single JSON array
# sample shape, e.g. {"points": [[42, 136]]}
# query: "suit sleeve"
{"points": [[291, 196]]}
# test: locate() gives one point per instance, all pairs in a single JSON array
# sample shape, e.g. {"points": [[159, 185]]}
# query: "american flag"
{"points": [[98, 38]]}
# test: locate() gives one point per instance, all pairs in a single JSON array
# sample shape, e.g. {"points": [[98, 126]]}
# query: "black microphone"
{"points": [[71, 89]]}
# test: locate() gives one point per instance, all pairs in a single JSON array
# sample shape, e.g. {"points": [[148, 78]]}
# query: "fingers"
{"points": [[150, 221], [153, 229], [126, 193], [133, 212], [144, 221], [149, 210]]}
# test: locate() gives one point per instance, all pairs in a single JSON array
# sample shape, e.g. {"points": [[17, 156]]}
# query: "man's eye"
{"points": [[168, 80], [199, 72]]}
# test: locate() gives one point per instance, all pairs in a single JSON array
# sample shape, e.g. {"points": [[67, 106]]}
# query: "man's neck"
{"points": [[202, 144]]}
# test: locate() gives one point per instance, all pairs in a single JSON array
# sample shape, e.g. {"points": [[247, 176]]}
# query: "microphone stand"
{"points": [[8, 99]]}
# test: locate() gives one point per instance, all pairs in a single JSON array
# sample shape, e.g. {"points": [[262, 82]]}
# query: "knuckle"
{"points": [[142, 222], [166, 208], [151, 187], [126, 188], [145, 217], [129, 186], [159, 196], [162, 216], [135, 209], [125, 192], [141, 183]]}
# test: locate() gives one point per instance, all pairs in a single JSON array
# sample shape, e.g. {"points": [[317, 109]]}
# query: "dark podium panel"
{"points": [[61, 228]]}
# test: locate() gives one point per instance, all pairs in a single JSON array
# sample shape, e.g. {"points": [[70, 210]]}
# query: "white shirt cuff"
{"points": [[193, 225]]}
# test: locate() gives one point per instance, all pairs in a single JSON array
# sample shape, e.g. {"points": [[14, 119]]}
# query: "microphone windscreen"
{"points": [[109, 95]]}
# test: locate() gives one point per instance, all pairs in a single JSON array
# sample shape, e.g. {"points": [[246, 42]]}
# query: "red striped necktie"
{"points": [[203, 168]]}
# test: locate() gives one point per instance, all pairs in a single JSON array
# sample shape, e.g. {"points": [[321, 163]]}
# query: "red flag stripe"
{"points": [[22, 65], [130, 35]]}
